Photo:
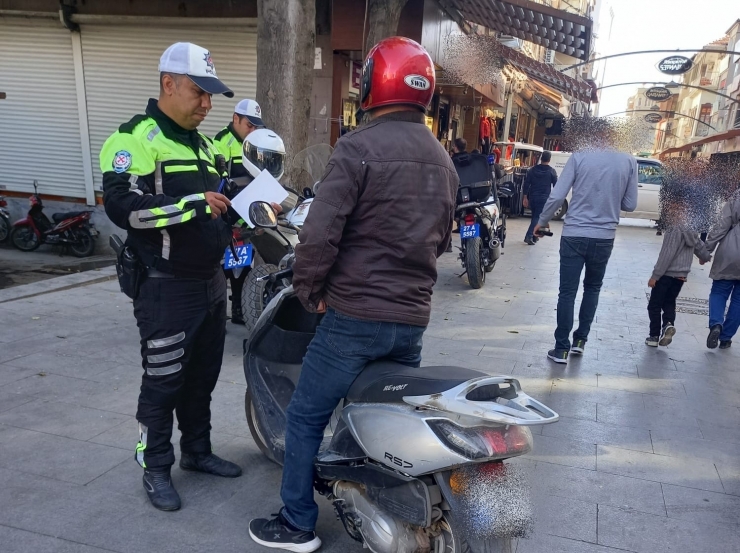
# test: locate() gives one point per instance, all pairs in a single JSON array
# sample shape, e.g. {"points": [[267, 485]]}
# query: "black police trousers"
{"points": [[182, 323]]}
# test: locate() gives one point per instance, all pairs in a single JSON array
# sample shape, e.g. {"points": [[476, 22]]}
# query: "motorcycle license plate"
{"points": [[470, 231], [244, 258]]}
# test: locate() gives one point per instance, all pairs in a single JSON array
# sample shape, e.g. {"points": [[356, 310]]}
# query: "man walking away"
{"points": [[388, 178], [537, 187], [725, 236], [669, 274], [604, 182]]}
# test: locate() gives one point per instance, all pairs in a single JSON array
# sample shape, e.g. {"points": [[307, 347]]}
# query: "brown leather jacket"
{"points": [[381, 217]]}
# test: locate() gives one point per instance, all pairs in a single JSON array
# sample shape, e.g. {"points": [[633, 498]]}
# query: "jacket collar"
{"points": [[169, 128], [233, 132], [408, 116]]}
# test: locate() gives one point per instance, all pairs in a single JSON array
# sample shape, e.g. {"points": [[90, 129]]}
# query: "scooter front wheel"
{"points": [[4, 229], [24, 239], [254, 429]]}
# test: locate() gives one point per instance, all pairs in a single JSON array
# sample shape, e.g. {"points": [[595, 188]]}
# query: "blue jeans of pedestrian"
{"points": [[536, 205], [575, 254], [722, 290], [341, 349]]}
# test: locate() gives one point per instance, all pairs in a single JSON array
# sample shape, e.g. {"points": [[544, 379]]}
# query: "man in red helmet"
{"points": [[368, 259]]}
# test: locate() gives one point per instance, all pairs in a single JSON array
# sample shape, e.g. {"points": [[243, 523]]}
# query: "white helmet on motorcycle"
{"points": [[264, 149]]}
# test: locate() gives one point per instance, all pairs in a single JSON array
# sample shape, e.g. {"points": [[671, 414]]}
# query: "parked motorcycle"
{"points": [[270, 246], [4, 220], [72, 229], [482, 226], [413, 458]]}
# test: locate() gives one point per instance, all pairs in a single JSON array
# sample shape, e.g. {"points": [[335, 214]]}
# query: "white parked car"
{"points": [[649, 179]]}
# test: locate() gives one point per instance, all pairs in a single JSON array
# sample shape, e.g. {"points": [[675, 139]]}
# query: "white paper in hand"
{"points": [[265, 188]]}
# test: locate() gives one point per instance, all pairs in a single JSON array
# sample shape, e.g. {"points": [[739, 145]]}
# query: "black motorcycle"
{"points": [[480, 221]]}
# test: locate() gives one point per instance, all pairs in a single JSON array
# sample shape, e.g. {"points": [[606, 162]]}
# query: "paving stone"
{"points": [[644, 533], [599, 487], [730, 477], [9, 400], [566, 452], [543, 543], [659, 468], [56, 457], [600, 433], [61, 419], [21, 541], [566, 518], [702, 506]]}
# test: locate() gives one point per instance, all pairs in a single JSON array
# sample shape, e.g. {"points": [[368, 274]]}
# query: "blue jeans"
{"points": [[536, 205], [341, 349], [722, 290], [575, 253]]}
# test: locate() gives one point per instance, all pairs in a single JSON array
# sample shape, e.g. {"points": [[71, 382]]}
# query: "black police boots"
{"points": [[159, 489], [210, 464]]}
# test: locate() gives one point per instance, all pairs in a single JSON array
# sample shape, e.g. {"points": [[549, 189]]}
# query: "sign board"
{"points": [[658, 93], [355, 77], [675, 65], [653, 117]]}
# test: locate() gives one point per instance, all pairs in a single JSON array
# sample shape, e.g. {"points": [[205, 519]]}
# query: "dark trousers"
{"points": [[575, 254], [663, 302], [536, 205], [338, 353], [182, 323], [237, 285]]}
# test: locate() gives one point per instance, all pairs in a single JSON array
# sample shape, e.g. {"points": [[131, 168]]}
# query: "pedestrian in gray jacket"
{"points": [[725, 236], [669, 274]]}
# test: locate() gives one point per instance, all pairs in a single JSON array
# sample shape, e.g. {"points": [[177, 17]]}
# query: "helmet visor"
{"points": [[261, 158]]}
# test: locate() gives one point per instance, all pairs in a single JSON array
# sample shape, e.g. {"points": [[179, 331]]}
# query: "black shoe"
{"points": [[578, 346], [159, 489], [535, 239], [210, 464], [449, 248], [528, 240], [558, 355], [652, 341], [237, 317], [725, 344], [278, 533], [667, 334], [713, 338]]}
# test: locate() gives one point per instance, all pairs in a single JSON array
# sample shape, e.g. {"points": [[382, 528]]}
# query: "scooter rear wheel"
{"points": [[473, 264], [85, 245], [24, 239], [451, 541]]}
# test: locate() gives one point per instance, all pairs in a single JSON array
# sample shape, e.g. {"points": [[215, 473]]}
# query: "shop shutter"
{"points": [[39, 123], [121, 73]]}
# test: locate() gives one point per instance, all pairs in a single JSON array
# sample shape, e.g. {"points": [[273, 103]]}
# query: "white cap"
{"points": [[251, 110], [186, 58]]}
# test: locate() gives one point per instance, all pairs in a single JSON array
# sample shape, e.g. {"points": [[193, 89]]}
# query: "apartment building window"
{"points": [[705, 115]]}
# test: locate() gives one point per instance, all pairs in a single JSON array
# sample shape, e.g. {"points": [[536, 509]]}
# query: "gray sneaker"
{"points": [[652, 341], [667, 334], [558, 355]]}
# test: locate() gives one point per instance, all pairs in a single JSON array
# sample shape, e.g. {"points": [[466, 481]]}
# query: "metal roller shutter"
{"points": [[121, 73], [40, 128]]}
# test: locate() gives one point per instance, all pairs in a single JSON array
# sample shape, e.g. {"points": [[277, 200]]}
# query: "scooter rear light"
{"points": [[3, 203], [483, 442], [469, 219]]}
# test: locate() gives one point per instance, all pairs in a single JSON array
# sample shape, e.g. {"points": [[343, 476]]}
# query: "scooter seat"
{"points": [[59, 217], [389, 382]]}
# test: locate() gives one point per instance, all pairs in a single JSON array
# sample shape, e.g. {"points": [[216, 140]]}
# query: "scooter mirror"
{"points": [[262, 215]]}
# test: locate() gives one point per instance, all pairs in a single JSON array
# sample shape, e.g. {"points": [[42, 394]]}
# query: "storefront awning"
{"points": [[547, 74], [727, 135], [552, 28]]}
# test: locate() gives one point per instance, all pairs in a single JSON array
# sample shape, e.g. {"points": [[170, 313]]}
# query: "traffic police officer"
{"points": [[160, 182], [247, 118]]}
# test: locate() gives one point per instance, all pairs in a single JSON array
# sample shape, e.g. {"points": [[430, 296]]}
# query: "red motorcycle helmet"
{"points": [[397, 70]]}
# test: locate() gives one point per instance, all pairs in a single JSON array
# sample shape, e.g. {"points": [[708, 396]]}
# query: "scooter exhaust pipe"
{"points": [[495, 246]]}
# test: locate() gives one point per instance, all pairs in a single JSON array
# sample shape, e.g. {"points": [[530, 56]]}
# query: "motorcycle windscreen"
{"points": [[488, 500]]}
